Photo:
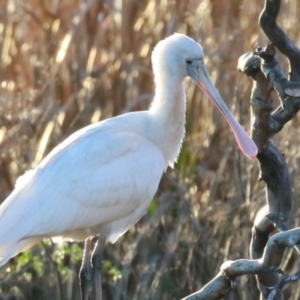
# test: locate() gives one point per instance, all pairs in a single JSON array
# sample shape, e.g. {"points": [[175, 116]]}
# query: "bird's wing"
{"points": [[97, 177]]}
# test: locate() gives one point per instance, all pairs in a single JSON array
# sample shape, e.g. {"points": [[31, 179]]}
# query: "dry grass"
{"points": [[65, 64]]}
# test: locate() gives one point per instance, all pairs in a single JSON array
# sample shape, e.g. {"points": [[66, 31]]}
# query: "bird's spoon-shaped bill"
{"points": [[245, 143]]}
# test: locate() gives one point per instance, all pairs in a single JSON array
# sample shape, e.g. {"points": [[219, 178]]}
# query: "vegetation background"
{"points": [[67, 63]]}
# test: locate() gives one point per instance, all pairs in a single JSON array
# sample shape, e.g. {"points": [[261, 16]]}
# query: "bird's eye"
{"points": [[188, 61]]}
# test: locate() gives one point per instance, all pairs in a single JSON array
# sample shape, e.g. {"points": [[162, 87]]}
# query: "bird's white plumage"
{"points": [[102, 178]]}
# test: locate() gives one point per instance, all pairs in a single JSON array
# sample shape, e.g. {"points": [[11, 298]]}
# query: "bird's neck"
{"points": [[168, 112]]}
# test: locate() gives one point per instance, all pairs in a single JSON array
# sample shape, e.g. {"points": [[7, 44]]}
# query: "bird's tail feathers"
{"points": [[10, 250]]}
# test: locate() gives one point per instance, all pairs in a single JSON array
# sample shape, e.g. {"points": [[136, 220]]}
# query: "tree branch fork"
{"points": [[267, 248]]}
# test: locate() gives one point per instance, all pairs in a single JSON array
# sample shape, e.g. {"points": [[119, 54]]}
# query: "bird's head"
{"points": [[181, 56], [176, 55]]}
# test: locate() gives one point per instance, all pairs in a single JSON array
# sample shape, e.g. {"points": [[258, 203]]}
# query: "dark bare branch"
{"points": [[267, 250], [268, 264], [278, 37]]}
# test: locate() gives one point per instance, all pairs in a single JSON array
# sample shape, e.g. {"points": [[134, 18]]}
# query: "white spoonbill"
{"points": [[101, 179]]}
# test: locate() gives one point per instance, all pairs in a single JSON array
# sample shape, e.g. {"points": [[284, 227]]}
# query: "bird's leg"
{"points": [[97, 266], [86, 272]]}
